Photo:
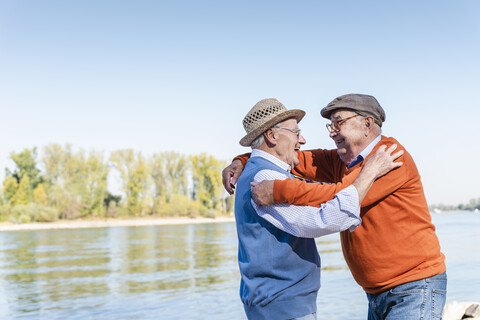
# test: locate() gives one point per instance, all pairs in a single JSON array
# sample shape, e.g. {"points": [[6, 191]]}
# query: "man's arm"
{"points": [[231, 174], [318, 165], [300, 193], [390, 182], [306, 168], [339, 214]]}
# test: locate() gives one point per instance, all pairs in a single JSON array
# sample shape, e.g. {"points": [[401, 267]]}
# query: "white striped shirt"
{"points": [[341, 213]]}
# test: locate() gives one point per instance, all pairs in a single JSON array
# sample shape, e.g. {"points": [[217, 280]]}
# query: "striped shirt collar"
{"points": [[271, 158]]}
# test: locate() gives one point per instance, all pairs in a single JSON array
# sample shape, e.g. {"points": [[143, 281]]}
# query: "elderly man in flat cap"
{"points": [[394, 254], [277, 255]]}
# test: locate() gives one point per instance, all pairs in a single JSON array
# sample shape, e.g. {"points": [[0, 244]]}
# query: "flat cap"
{"points": [[356, 102]]}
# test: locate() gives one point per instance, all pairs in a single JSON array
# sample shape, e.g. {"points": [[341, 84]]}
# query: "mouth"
{"points": [[339, 142]]}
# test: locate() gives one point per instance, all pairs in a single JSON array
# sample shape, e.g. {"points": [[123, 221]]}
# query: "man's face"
{"points": [[350, 136], [288, 141]]}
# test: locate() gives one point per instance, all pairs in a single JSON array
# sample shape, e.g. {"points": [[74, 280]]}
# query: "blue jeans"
{"points": [[417, 300]]}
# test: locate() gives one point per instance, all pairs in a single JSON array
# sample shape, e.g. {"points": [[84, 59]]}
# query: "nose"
{"points": [[333, 133], [301, 140]]}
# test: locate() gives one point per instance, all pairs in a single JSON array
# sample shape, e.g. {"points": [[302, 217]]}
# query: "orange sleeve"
{"points": [[325, 166], [317, 165], [243, 158], [389, 183], [303, 193], [313, 164]]}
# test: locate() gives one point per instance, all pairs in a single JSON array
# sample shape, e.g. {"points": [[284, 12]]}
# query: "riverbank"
{"points": [[108, 223]]}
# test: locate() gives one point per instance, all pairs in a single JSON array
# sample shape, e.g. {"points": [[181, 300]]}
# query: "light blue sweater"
{"points": [[280, 272]]}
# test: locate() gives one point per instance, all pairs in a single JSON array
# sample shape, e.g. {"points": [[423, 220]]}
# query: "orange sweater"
{"points": [[396, 242]]}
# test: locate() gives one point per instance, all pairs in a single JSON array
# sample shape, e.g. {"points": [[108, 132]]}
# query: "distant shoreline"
{"points": [[108, 223], [124, 222]]}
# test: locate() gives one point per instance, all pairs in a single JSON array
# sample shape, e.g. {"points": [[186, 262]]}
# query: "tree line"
{"points": [[474, 204], [67, 184]]}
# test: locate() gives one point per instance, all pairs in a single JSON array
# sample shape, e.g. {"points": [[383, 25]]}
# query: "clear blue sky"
{"points": [[180, 75]]}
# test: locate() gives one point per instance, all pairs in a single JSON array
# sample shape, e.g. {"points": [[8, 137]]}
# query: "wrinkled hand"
{"points": [[382, 161], [230, 175], [262, 192]]}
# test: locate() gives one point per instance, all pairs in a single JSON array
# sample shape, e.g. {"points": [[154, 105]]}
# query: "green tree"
{"points": [[207, 180], [10, 187], [134, 179], [158, 172], [26, 165], [39, 195], [473, 204], [111, 198], [19, 184], [56, 161], [24, 192], [76, 183], [176, 166], [93, 171], [168, 171], [229, 203]]}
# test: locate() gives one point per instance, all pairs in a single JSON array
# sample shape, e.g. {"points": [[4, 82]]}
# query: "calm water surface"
{"points": [[181, 272]]}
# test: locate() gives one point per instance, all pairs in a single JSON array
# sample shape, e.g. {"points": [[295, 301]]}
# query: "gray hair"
{"points": [[261, 138], [258, 141], [368, 114]]}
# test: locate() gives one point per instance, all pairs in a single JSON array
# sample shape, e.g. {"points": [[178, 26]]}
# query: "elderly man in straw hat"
{"points": [[277, 256], [394, 254]]}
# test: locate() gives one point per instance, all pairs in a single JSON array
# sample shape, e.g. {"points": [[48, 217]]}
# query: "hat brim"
{"points": [[294, 113]]}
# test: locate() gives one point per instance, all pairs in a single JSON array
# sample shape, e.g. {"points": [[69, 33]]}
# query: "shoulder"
{"points": [[320, 151], [268, 174], [406, 158], [319, 154], [389, 141]]}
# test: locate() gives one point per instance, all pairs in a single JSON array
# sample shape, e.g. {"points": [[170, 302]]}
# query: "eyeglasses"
{"points": [[335, 125], [296, 131]]}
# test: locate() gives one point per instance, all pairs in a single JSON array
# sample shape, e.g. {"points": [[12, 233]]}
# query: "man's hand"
{"points": [[262, 192], [230, 175], [382, 161], [379, 164]]}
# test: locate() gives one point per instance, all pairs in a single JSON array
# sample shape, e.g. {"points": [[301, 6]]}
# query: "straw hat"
{"points": [[264, 115]]}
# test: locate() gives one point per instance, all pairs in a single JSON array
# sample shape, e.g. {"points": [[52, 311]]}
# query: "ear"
{"points": [[369, 122], [270, 137]]}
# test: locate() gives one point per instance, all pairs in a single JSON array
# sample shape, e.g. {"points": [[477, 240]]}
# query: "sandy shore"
{"points": [[77, 224]]}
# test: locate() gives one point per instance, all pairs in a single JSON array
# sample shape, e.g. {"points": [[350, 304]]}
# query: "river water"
{"points": [[182, 272]]}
